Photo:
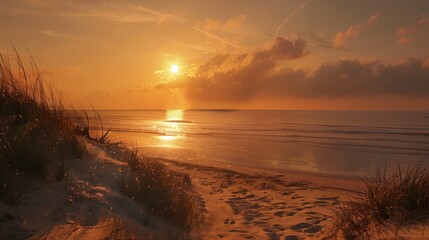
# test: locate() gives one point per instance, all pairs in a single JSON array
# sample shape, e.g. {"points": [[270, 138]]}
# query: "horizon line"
{"points": [[247, 109]]}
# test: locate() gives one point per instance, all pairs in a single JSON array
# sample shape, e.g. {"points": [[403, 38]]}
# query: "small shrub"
{"points": [[400, 198]]}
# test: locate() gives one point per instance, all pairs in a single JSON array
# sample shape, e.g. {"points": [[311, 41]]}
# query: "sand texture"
{"points": [[238, 204]]}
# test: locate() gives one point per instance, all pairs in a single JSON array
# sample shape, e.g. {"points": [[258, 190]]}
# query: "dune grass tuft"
{"points": [[398, 199], [40, 137], [166, 193], [37, 135]]}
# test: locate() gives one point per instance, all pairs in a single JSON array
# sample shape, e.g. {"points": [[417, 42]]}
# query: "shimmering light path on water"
{"points": [[334, 142]]}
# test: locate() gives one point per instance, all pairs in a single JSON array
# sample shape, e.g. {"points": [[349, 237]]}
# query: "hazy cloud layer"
{"points": [[353, 31], [228, 77]]}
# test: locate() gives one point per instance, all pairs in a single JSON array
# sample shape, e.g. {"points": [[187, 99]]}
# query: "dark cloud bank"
{"points": [[257, 75]]}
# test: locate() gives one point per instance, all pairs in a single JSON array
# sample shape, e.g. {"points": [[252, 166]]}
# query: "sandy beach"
{"points": [[239, 204], [245, 204], [223, 120]]}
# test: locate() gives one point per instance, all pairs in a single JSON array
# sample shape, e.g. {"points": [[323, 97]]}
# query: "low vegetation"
{"points": [[164, 192], [390, 201], [37, 135], [40, 137]]}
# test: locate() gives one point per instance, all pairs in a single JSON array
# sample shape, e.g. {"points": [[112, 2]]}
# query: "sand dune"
{"points": [[239, 204], [87, 206]]}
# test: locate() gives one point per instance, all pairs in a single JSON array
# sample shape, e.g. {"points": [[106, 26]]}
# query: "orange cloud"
{"points": [[257, 75], [405, 32], [413, 28], [353, 31], [234, 76], [404, 40]]}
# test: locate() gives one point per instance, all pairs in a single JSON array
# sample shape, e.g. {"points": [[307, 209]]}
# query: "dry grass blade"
{"points": [[400, 198], [37, 133]]}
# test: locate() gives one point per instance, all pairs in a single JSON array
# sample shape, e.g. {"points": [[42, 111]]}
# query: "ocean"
{"points": [[350, 143]]}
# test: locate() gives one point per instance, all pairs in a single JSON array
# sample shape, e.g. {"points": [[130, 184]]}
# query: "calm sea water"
{"points": [[333, 142]]}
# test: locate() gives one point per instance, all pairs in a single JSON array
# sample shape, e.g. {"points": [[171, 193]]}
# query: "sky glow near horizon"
{"points": [[356, 55]]}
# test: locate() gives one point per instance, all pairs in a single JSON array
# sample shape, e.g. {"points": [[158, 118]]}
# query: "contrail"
{"points": [[287, 19], [216, 37]]}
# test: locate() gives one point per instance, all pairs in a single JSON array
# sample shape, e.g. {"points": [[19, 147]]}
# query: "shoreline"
{"points": [[325, 180]]}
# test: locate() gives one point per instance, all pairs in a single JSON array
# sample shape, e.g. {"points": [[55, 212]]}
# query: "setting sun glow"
{"points": [[167, 137], [174, 68], [174, 115]]}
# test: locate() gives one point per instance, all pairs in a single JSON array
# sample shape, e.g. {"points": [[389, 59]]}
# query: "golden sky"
{"points": [[315, 54]]}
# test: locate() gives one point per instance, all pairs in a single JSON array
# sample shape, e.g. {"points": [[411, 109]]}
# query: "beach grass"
{"points": [[165, 192], [391, 200], [37, 134], [40, 136]]}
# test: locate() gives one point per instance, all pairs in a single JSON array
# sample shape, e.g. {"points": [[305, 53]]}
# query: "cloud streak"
{"points": [[213, 36], [405, 33], [353, 31], [72, 37], [109, 12], [288, 18]]}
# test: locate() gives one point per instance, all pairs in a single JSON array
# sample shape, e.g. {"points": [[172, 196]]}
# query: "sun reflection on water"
{"points": [[168, 137], [174, 115], [172, 128]]}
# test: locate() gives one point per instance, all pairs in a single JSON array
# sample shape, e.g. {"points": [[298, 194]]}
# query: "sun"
{"points": [[174, 68]]}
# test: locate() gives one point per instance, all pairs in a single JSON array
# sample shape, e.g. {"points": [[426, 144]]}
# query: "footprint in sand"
{"points": [[292, 237], [229, 221], [300, 226], [321, 203], [240, 191], [289, 214], [270, 234], [263, 199], [264, 186], [238, 231], [307, 227], [249, 196], [279, 227], [279, 213], [255, 206], [296, 197], [313, 229]]}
